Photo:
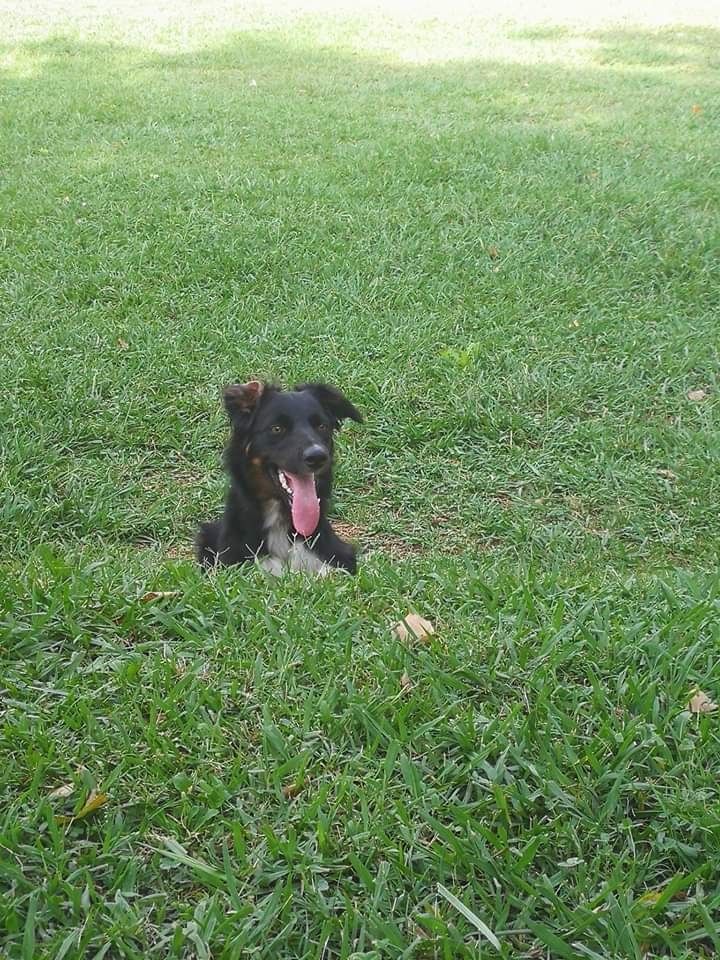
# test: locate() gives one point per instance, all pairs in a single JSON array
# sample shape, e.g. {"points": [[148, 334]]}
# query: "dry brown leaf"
{"points": [[93, 803], [493, 252], [291, 790], [668, 474], [158, 595], [122, 344], [701, 703], [406, 683], [697, 395], [413, 626], [65, 790], [696, 109]]}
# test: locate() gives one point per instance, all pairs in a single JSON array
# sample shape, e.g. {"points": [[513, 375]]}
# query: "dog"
{"points": [[280, 462]]}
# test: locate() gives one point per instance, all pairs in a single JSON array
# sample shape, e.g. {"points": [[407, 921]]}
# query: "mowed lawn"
{"points": [[500, 236]]}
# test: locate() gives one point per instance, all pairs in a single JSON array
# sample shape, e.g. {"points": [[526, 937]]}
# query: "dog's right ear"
{"points": [[242, 399]]}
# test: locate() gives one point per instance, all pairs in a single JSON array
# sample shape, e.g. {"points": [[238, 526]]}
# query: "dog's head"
{"points": [[286, 437]]}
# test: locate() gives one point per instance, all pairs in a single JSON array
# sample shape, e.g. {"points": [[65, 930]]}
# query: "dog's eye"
{"points": [[277, 428], [323, 428]]}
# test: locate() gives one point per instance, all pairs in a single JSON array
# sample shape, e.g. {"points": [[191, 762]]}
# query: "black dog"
{"points": [[280, 460]]}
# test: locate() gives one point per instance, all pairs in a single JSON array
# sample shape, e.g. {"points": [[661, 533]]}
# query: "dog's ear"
{"points": [[336, 404], [242, 399]]}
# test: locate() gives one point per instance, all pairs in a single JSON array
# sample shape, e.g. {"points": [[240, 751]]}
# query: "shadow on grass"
{"points": [[292, 134], [335, 90]]}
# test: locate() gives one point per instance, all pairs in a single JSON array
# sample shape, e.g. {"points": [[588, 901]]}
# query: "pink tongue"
{"points": [[305, 504]]}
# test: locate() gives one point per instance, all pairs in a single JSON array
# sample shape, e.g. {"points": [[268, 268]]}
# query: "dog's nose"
{"points": [[316, 456]]}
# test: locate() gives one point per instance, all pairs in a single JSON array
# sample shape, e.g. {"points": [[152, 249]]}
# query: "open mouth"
{"points": [[303, 500]]}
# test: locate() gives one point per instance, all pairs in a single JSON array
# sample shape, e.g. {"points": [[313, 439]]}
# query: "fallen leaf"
{"points": [[158, 595], [413, 625], [697, 395], [668, 474], [291, 790], [63, 791], [696, 109], [406, 683], [93, 803], [122, 344], [493, 252], [701, 703]]}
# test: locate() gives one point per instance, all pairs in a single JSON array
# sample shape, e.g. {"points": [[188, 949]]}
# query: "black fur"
{"points": [[272, 430]]}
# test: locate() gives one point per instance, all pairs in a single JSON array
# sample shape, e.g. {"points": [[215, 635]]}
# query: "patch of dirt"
{"points": [[349, 531], [446, 541], [503, 499], [395, 547], [180, 551], [173, 477]]}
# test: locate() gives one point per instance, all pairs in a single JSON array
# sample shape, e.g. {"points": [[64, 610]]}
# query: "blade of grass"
{"points": [[474, 919]]}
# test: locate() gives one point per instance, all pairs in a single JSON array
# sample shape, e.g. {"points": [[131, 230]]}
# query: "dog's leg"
{"points": [[206, 544], [332, 550]]}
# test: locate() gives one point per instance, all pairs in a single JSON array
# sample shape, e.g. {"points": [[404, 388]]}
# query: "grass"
{"points": [[500, 237]]}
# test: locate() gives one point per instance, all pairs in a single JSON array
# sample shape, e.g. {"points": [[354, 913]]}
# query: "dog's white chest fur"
{"points": [[286, 553]]}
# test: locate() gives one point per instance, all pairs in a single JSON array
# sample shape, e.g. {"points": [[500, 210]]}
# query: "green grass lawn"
{"points": [[501, 238]]}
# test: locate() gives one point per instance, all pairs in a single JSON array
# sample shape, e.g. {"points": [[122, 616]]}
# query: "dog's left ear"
{"points": [[336, 404], [242, 399]]}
